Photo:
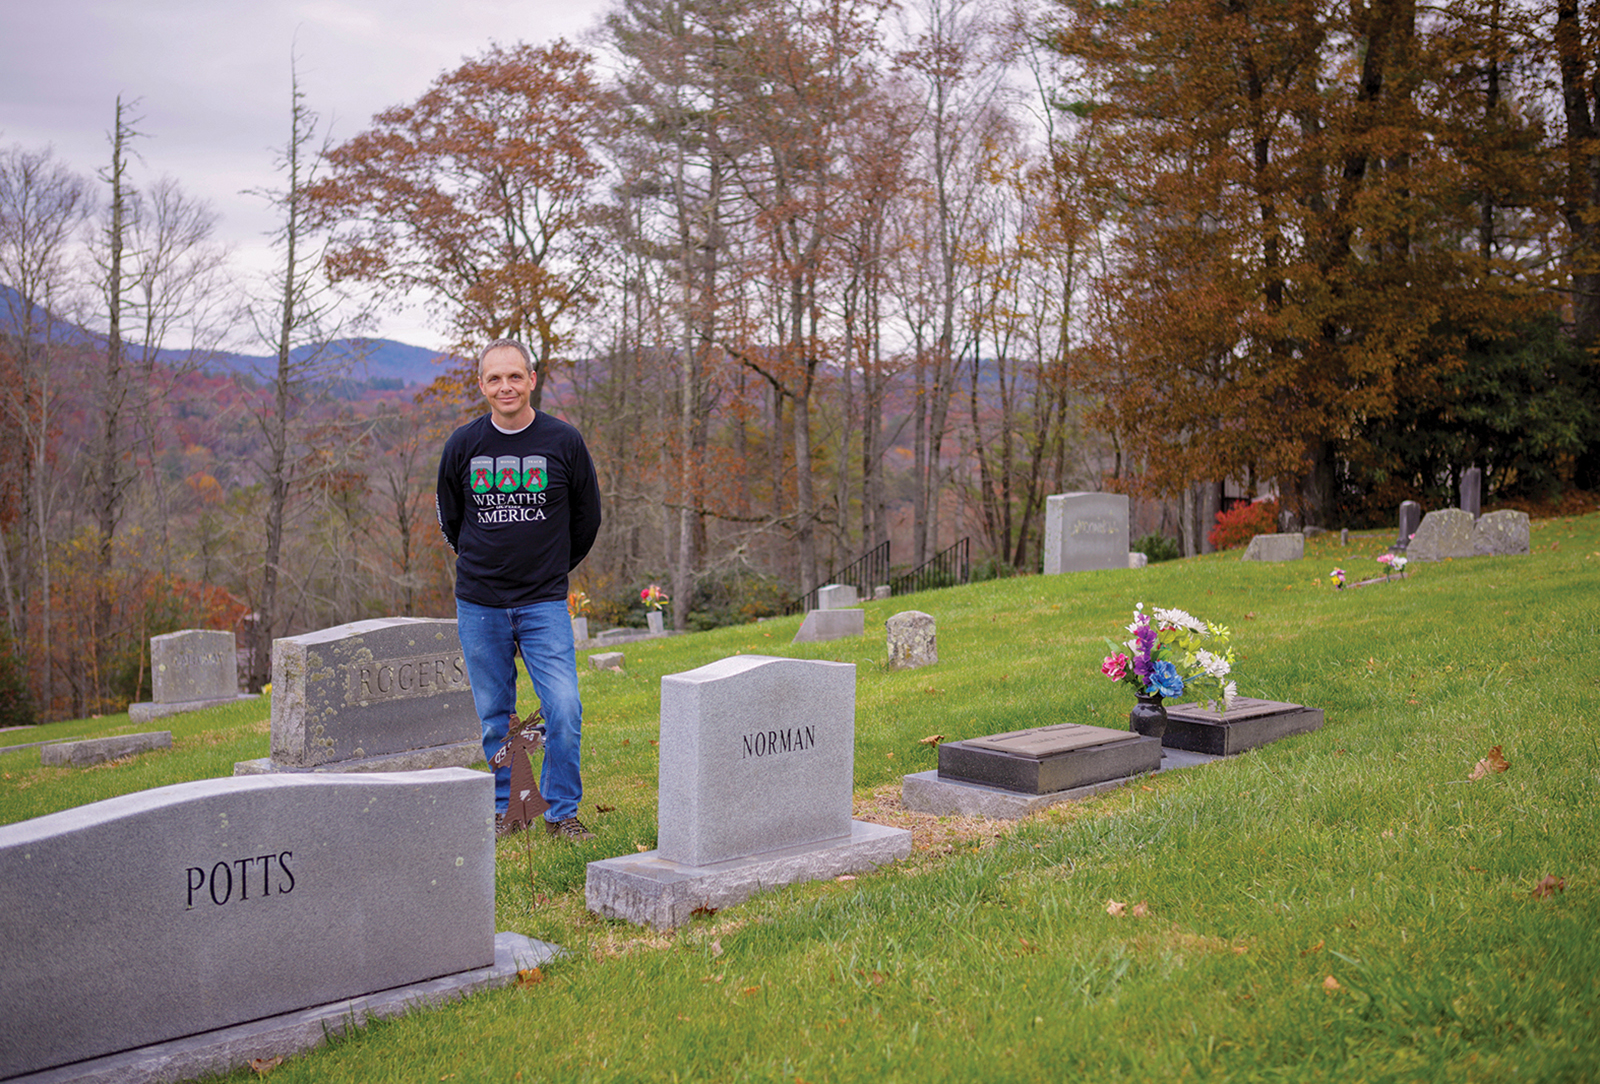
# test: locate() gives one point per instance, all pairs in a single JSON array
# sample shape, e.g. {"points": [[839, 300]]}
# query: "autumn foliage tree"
{"points": [[479, 195]]}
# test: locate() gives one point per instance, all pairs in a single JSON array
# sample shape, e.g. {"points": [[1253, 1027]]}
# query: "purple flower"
{"points": [[1144, 647]]}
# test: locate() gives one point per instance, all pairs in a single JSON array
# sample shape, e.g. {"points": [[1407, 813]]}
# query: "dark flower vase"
{"points": [[1148, 717]]}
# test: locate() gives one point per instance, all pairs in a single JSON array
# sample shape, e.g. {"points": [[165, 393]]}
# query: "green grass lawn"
{"points": [[1343, 905]]}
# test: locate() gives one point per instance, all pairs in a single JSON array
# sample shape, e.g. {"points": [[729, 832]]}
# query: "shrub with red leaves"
{"points": [[1238, 526]]}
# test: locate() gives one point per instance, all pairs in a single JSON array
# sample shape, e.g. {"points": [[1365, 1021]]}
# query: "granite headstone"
{"points": [[836, 596], [821, 626], [1410, 520], [192, 907], [82, 754], [1445, 533], [1505, 533], [381, 695], [912, 640], [189, 670], [1472, 491], [756, 775], [1275, 547], [1085, 531]]}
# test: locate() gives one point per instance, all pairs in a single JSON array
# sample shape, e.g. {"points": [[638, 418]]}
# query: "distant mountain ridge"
{"points": [[370, 359]]}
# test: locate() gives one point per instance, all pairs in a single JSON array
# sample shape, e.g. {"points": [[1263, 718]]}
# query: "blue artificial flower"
{"points": [[1164, 680]]}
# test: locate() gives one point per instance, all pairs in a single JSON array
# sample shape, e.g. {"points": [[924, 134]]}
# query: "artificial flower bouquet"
{"points": [[1173, 653], [1392, 562], [653, 597]]}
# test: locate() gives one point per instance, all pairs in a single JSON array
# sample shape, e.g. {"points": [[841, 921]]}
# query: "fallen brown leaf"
{"points": [[1251, 616], [703, 910], [1141, 909], [598, 808], [1494, 762], [845, 877], [1331, 985], [750, 991], [1115, 909], [1549, 886], [716, 947], [640, 847], [263, 1066], [531, 976], [931, 739]]}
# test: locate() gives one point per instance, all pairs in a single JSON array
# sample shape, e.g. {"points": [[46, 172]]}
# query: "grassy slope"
{"points": [[1360, 854]]}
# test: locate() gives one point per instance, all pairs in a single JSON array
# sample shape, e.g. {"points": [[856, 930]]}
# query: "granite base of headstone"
{"points": [[821, 626], [836, 596], [580, 630], [926, 792], [201, 906], [1443, 534], [913, 640], [656, 623], [1502, 534], [189, 670], [82, 754], [384, 695], [1276, 547], [1138, 560], [1085, 531], [756, 777], [1250, 723], [606, 660], [1410, 520]]}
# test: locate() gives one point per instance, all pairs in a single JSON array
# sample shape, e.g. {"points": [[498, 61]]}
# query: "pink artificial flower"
{"points": [[1115, 666]]}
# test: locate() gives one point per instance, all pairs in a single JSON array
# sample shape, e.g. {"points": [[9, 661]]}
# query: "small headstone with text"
{"points": [[1085, 531], [189, 669]]}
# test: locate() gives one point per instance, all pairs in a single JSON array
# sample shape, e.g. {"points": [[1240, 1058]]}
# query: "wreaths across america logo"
{"points": [[508, 474], [508, 488]]}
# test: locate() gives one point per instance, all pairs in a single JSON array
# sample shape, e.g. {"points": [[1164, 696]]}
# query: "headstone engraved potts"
{"points": [[190, 908], [1085, 531], [1443, 534], [1410, 520], [1472, 491], [913, 640], [757, 758], [381, 695], [190, 669]]}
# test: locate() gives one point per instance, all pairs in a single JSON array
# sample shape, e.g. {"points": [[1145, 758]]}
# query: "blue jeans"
{"points": [[542, 633]]}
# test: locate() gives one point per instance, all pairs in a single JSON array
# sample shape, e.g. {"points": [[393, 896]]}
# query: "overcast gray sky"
{"points": [[212, 77]]}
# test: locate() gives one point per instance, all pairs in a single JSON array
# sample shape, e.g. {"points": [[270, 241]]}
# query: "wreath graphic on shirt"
{"points": [[508, 473]]}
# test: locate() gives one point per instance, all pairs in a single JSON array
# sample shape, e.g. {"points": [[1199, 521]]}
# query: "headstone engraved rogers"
{"points": [[1443, 534], [189, 908], [756, 775], [1085, 531], [380, 695]]}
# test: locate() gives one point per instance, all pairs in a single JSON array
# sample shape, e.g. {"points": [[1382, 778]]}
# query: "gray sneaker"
{"points": [[571, 829]]}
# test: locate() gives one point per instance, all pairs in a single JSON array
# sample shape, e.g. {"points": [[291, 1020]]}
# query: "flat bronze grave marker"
{"points": [[1046, 759], [1249, 723]]}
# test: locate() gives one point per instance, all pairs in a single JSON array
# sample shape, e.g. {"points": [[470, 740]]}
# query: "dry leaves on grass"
{"points": [[1549, 886], [1117, 910], [931, 739], [1331, 985], [263, 1066], [530, 976], [1489, 765]]}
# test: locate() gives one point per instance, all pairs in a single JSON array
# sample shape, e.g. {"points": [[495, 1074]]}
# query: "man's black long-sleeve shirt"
{"points": [[520, 510]]}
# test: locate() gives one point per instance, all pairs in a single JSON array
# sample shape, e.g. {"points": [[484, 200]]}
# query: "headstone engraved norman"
{"points": [[381, 695], [1085, 531], [1505, 533], [190, 669], [756, 775], [188, 910], [1275, 547], [1442, 534], [913, 640]]}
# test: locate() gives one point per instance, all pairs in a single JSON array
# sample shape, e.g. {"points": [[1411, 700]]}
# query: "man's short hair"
{"points": [[514, 344]]}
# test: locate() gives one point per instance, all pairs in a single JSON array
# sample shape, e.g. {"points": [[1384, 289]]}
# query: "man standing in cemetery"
{"points": [[520, 507]]}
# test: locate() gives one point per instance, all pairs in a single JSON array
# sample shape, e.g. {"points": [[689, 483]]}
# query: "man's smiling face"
{"points": [[506, 383]]}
